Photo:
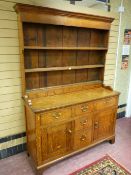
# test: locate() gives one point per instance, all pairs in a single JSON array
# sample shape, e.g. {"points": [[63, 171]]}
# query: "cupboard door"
{"points": [[56, 141], [104, 123]]}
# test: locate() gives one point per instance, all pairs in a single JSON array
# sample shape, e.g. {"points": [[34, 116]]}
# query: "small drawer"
{"points": [[82, 138], [104, 103], [83, 122], [82, 108], [55, 116]]}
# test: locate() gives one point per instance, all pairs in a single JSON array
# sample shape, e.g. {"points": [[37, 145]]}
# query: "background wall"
{"points": [[123, 76], [12, 123]]}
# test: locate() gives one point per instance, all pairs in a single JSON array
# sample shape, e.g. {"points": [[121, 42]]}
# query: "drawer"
{"points": [[55, 116], [83, 122], [104, 103], [82, 108], [82, 138]]}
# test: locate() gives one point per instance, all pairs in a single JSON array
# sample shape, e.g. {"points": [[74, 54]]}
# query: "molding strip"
{"points": [[13, 137], [12, 150]]}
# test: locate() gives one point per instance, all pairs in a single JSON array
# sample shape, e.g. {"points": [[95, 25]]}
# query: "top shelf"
{"points": [[64, 48]]}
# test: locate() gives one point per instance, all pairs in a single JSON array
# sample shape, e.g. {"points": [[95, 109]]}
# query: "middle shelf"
{"points": [[63, 68], [63, 48]]}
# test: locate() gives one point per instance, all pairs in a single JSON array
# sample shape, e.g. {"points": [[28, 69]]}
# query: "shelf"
{"points": [[63, 68], [64, 48]]}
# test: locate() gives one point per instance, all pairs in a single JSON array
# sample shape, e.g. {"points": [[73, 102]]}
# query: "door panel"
{"points": [[104, 124], [56, 141]]}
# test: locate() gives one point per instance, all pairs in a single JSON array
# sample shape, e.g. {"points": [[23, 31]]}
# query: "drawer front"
{"points": [[82, 138], [104, 103], [83, 122], [55, 116], [82, 108]]}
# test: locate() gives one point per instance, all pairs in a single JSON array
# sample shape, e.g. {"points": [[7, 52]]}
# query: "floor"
{"points": [[120, 151]]}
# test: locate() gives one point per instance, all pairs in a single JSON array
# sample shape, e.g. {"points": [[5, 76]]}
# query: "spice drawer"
{"points": [[83, 122], [82, 138], [83, 108], [55, 116]]}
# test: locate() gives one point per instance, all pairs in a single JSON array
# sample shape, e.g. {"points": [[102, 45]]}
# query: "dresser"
{"points": [[67, 107]]}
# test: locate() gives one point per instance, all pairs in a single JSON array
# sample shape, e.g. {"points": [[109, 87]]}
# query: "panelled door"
{"points": [[56, 141], [104, 124]]}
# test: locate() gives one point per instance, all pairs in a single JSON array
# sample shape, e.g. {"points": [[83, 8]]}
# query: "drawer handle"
{"points": [[58, 147], [107, 101], [56, 115], [69, 131], [84, 122], [84, 108], [96, 125], [83, 137]]}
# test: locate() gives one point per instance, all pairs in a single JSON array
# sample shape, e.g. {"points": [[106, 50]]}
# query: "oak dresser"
{"points": [[67, 107]]}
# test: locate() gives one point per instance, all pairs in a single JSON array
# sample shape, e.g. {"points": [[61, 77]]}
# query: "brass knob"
{"points": [[69, 131], [29, 101], [96, 125], [26, 96], [107, 101], [30, 104], [84, 108], [84, 122], [83, 137], [56, 115], [58, 147]]}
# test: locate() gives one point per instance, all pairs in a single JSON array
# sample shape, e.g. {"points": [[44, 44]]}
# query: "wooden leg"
{"points": [[40, 172], [112, 140], [28, 154]]}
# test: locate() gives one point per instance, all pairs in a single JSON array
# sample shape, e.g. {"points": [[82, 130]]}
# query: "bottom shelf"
{"points": [[57, 78]]}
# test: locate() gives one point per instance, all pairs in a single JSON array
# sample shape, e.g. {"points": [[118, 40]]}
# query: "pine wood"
{"points": [[68, 109], [64, 48], [62, 68]]}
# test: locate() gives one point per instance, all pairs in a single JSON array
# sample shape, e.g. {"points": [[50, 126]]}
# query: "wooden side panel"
{"points": [[31, 134], [38, 139], [21, 44]]}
